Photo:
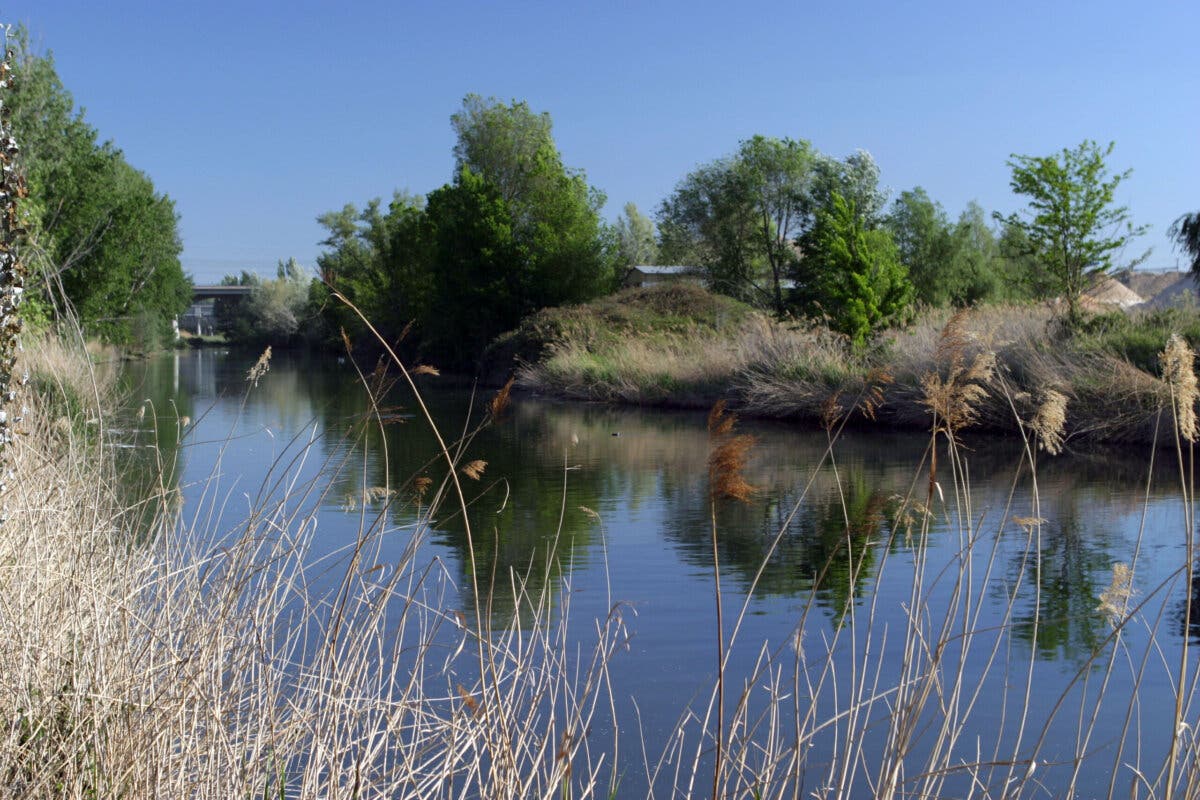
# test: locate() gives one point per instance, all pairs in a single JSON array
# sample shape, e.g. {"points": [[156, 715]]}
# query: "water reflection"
{"points": [[551, 468]]}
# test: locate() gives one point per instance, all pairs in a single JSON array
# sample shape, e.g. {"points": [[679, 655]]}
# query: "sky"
{"points": [[257, 117]]}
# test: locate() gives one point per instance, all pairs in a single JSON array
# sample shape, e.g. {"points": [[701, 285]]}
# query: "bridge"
{"points": [[200, 293], [200, 318]]}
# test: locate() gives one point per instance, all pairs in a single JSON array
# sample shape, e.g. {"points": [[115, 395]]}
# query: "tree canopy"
{"points": [[1186, 232], [737, 218], [514, 231], [104, 235], [1071, 226], [851, 274]]}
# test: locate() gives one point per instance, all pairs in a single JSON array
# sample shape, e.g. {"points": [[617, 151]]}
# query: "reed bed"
{"points": [[192, 662], [799, 371]]}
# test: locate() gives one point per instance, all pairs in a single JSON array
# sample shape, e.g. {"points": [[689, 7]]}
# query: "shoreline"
{"points": [[679, 347]]}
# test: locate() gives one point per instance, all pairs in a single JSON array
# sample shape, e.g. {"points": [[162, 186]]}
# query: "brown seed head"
{"points": [[501, 400], [727, 457], [1178, 362]]}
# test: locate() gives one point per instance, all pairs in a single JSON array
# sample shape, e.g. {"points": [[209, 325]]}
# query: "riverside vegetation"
{"points": [[149, 659], [678, 345]]}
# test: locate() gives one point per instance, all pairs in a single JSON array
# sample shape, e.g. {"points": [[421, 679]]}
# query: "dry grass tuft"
{"points": [[474, 469], [1049, 421], [260, 367], [954, 398], [1178, 362], [727, 458], [425, 369], [501, 399]]}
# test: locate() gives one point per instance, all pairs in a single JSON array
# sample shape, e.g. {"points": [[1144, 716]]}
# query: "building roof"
{"points": [[647, 269]]}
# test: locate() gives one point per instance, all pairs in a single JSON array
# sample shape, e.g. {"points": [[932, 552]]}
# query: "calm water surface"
{"points": [[643, 474]]}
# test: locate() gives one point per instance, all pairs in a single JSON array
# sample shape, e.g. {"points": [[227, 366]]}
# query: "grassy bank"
{"points": [[681, 346]]}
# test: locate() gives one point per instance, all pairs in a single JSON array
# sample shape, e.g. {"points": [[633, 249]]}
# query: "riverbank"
{"points": [[681, 346]]}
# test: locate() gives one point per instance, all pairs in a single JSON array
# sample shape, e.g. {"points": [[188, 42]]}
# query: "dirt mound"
{"points": [[1161, 289]]}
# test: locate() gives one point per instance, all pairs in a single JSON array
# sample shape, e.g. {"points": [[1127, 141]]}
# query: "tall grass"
{"points": [[797, 370], [199, 662]]}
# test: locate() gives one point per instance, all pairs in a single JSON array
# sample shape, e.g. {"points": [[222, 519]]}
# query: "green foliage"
{"points": [[1186, 233], [852, 275], [926, 245], [737, 217], [960, 264], [1071, 226], [709, 222], [856, 179], [1140, 336], [274, 311], [230, 313], [483, 274], [633, 240], [514, 232], [102, 233], [379, 260]]}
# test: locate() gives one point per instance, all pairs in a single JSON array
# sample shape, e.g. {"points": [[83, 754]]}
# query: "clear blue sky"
{"points": [[256, 117]]}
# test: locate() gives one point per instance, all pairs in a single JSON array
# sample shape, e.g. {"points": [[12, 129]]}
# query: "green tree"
{"points": [[515, 231], [709, 222], [926, 245], [779, 174], [103, 235], [230, 313], [851, 275], [737, 218], [1186, 233], [1072, 226], [481, 286], [555, 213], [856, 179], [633, 239], [379, 260]]}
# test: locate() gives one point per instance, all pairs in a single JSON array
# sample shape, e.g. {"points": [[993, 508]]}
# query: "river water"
{"points": [[606, 505]]}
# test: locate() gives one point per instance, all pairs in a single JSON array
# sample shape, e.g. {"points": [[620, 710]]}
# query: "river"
{"points": [[605, 506]]}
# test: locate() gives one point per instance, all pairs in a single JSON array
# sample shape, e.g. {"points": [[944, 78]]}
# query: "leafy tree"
{"points": [[1071, 226], [926, 246], [555, 214], [856, 179], [515, 231], [850, 274], [378, 259], [633, 237], [1186, 233], [737, 217], [104, 236], [229, 313], [779, 174], [709, 222], [274, 311], [277, 307], [482, 282]]}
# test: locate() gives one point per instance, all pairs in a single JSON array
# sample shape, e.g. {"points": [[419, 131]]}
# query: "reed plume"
{"points": [[727, 457], [1050, 420], [954, 392], [260, 367], [1178, 362], [501, 399]]}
